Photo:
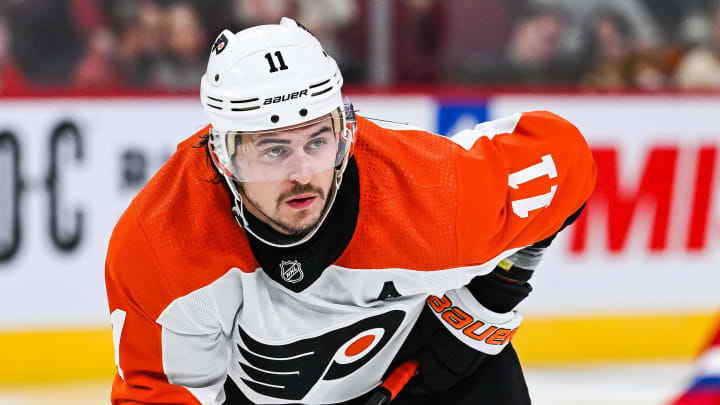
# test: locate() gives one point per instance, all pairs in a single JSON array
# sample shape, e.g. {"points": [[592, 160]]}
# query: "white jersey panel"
{"points": [[299, 346], [198, 363], [208, 309], [467, 138], [439, 282], [328, 343], [196, 345]]}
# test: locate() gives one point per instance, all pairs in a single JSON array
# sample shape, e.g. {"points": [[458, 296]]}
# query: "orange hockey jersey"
{"points": [[192, 308]]}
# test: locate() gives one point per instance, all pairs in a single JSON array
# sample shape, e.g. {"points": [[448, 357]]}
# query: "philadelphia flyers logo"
{"points": [[290, 370], [220, 44]]}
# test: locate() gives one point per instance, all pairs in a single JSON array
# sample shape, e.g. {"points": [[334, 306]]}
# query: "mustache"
{"points": [[299, 189]]}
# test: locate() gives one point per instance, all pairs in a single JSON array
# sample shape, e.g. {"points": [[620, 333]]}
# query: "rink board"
{"points": [[638, 281]]}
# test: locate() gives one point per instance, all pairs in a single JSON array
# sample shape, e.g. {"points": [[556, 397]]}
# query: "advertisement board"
{"points": [[72, 170], [644, 259], [649, 240]]}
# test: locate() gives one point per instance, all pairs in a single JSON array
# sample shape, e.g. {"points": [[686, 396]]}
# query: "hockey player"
{"points": [[705, 387], [291, 252]]}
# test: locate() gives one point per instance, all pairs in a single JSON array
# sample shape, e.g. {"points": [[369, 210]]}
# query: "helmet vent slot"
{"points": [[312, 86], [321, 92], [247, 108], [244, 101]]}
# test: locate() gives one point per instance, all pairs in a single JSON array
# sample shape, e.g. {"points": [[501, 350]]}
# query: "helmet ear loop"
{"points": [[217, 161], [348, 135], [237, 208], [337, 120], [344, 137]]}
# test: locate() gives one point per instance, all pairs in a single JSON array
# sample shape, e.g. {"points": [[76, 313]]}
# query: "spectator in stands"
{"points": [[48, 41], [324, 18], [141, 30], [640, 21], [11, 79], [533, 43], [184, 49], [533, 55], [417, 28], [215, 15], [700, 67], [466, 47], [608, 50], [146, 43], [669, 14], [98, 67], [652, 69], [615, 60]]}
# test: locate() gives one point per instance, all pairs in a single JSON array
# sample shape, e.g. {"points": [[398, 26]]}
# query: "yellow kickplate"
{"points": [[51, 356], [47, 356], [92, 392], [629, 338]]}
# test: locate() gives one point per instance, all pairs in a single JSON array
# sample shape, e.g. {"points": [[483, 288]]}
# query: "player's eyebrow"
{"points": [[267, 139], [320, 131]]}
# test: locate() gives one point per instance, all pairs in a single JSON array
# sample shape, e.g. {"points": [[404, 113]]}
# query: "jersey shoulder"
{"points": [[408, 195], [401, 159], [178, 234], [520, 178]]}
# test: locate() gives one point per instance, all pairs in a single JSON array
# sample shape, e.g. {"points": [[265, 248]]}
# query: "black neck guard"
{"points": [[298, 267]]}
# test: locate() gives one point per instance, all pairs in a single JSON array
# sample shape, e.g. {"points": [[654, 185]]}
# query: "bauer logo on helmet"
{"points": [[286, 97]]}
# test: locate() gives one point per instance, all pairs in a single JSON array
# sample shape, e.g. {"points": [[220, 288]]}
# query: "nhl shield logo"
{"points": [[291, 271]]}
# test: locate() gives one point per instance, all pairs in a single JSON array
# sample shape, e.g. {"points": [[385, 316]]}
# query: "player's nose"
{"points": [[301, 169]]}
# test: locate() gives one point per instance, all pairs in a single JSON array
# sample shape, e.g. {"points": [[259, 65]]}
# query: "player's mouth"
{"points": [[301, 201]]}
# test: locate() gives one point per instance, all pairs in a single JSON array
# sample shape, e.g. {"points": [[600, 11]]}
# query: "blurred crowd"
{"points": [[164, 44]]}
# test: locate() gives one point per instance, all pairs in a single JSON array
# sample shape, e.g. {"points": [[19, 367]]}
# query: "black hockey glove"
{"points": [[444, 358]]}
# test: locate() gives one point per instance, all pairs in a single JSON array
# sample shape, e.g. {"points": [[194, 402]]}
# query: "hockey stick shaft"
{"points": [[395, 382]]}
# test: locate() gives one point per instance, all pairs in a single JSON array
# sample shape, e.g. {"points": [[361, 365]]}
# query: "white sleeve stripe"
{"points": [[468, 137], [117, 319]]}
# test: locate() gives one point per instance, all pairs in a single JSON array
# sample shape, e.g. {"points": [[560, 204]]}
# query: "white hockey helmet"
{"points": [[270, 79]]}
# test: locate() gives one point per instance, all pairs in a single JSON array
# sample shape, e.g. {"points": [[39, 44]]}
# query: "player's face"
{"points": [[302, 160]]}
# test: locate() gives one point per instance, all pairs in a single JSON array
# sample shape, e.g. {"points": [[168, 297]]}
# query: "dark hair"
{"points": [[204, 142], [621, 23]]}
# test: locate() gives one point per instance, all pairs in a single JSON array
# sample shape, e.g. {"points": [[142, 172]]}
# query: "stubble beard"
{"points": [[292, 226]]}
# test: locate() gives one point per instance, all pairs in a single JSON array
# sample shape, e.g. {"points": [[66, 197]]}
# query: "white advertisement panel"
{"points": [[79, 164], [415, 111], [649, 240], [68, 170]]}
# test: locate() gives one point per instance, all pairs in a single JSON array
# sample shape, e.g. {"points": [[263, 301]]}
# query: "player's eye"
{"points": [[316, 143], [275, 152]]}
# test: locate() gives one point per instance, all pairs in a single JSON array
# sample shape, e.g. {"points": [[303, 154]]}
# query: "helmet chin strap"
{"points": [[239, 213]]}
